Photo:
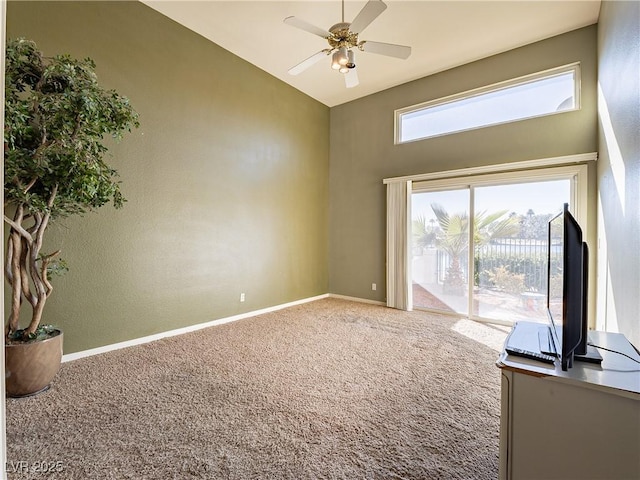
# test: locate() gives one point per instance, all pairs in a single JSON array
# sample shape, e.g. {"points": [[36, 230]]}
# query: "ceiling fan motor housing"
{"points": [[341, 36]]}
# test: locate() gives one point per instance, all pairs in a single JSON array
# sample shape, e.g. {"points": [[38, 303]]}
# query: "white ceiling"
{"points": [[442, 34]]}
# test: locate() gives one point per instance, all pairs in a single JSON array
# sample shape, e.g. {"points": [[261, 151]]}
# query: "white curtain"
{"points": [[399, 292]]}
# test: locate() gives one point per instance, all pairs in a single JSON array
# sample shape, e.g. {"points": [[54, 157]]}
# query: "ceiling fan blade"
{"points": [[312, 60], [368, 14], [388, 49], [351, 78], [306, 26]]}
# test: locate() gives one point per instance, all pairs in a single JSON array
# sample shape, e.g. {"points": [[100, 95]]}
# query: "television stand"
{"points": [[592, 356], [580, 423]]}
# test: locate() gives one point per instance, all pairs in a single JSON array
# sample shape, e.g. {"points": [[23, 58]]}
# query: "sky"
{"points": [[541, 197], [539, 97]]}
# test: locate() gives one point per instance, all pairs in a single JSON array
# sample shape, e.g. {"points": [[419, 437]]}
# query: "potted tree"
{"points": [[56, 120]]}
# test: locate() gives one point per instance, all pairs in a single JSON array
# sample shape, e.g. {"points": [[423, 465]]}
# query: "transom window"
{"points": [[543, 93]]}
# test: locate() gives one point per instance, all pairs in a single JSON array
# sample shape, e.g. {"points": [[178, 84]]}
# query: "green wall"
{"points": [[226, 181], [619, 168], [239, 183], [363, 151]]}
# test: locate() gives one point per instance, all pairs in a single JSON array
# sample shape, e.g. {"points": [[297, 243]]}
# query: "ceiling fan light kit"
{"points": [[340, 58], [351, 59], [343, 38]]}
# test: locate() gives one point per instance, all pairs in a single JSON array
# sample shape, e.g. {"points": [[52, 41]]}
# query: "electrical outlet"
{"points": [[242, 297], [374, 286]]}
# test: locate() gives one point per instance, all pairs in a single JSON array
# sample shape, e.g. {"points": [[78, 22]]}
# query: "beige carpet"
{"points": [[330, 389]]}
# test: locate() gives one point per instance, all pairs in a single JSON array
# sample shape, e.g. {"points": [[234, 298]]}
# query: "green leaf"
{"points": [[56, 122]]}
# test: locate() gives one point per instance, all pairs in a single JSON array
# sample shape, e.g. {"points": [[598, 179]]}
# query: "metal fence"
{"points": [[517, 256]]}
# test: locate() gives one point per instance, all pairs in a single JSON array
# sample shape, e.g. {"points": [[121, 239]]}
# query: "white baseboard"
{"points": [[179, 331], [357, 299]]}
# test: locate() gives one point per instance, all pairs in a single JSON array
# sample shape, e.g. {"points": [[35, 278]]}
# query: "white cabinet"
{"points": [[580, 424]]}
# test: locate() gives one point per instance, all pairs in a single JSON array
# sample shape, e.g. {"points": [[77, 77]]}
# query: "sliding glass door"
{"points": [[440, 263], [510, 249], [490, 264]]}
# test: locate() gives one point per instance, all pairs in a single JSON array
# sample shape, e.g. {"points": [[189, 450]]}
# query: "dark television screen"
{"points": [[565, 284]]}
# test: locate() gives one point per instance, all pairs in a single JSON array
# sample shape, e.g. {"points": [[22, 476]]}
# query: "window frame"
{"points": [[577, 174], [495, 87], [576, 165]]}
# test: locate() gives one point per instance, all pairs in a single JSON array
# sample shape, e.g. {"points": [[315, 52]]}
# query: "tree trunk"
{"points": [[14, 251], [26, 269]]}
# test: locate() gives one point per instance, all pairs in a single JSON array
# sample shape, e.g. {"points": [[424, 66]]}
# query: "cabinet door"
{"points": [[558, 430]]}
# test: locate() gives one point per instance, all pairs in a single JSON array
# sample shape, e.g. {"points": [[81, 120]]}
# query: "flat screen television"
{"points": [[567, 278]]}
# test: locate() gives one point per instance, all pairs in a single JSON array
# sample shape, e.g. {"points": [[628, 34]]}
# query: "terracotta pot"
{"points": [[30, 367]]}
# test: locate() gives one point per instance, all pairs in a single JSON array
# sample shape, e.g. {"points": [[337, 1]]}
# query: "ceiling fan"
{"points": [[343, 40]]}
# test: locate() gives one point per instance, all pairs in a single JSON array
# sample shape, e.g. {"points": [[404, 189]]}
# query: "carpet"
{"points": [[330, 389]]}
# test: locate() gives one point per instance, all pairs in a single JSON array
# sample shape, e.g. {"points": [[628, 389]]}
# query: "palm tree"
{"points": [[453, 237], [423, 235]]}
